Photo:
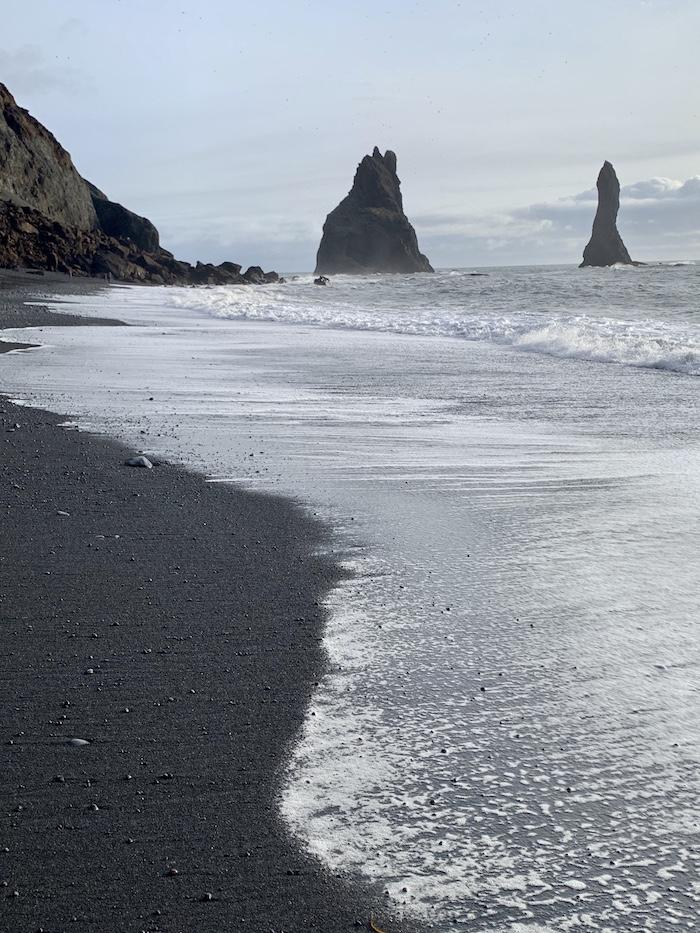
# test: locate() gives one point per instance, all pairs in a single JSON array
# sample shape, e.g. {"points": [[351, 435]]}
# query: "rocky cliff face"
{"points": [[37, 172], [51, 218], [368, 231], [605, 248], [28, 239], [116, 221]]}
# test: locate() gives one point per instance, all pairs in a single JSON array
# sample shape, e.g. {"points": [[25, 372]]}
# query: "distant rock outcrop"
{"points": [[605, 247], [51, 218], [368, 231]]}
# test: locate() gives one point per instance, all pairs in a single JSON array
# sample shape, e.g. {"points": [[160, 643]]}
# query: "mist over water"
{"points": [[508, 735]]}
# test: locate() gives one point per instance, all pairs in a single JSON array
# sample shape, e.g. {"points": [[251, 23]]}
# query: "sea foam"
{"points": [[636, 329]]}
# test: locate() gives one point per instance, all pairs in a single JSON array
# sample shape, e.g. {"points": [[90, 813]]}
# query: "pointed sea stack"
{"points": [[605, 247], [368, 231]]}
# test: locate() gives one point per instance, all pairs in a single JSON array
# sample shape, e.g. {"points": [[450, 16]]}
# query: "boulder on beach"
{"points": [[605, 247], [369, 231]]}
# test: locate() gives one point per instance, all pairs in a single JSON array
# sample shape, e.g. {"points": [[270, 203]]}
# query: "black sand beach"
{"points": [[18, 287], [176, 626]]}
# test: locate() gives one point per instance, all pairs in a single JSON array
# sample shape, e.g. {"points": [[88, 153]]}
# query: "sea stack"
{"points": [[368, 231], [605, 247]]}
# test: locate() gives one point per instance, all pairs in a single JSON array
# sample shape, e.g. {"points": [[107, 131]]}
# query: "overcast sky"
{"points": [[236, 127]]}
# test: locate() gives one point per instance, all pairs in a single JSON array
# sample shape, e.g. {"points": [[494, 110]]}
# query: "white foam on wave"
{"points": [[613, 343], [645, 343]]}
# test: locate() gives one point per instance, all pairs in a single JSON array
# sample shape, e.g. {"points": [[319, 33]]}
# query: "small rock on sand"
{"points": [[139, 462]]}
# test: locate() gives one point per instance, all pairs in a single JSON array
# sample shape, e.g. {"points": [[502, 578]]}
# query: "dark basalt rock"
{"points": [[233, 268], [206, 273], [368, 231], [37, 172], [122, 224], [109, 262], [255, 276], [605, 247], [52, 219], [30, 240]]}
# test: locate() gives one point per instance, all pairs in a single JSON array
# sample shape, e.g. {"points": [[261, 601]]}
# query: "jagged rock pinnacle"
{"points": [[368, 231]]}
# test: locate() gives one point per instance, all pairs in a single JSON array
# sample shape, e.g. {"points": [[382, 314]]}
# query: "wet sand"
{"points": [[176, 626], [18, 287]]}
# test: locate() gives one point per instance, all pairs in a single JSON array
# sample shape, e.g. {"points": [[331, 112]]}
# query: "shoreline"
{"points": [[17, 287], [198, 609]]}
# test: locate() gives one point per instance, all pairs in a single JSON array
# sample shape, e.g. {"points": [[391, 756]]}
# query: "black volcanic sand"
{"points": [[176, 626], [17, 287]]}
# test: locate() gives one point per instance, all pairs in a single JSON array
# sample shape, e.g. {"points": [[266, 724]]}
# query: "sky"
{"points": [[237, 127]]}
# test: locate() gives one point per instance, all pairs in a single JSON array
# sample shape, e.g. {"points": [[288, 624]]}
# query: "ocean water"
{"points": [[508, 735]]}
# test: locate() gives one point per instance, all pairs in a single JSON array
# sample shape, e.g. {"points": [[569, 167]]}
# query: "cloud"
{"points": [[27, 70], [73, 26], [659, 219], [653, 188], [291, 254], [666, 203], [273, 240]]}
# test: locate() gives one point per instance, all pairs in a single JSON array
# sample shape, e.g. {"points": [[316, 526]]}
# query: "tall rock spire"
{"points": [[605, 247], [368, 231]]}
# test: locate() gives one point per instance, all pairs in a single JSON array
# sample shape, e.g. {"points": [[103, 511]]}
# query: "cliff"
{"points": [[37, 172], [605, 247], [117, 221], [51, 218], [369, 231]]}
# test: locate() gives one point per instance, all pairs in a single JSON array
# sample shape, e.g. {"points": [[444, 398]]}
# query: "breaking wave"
{"points": [[456, 305], [613, 344]]}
